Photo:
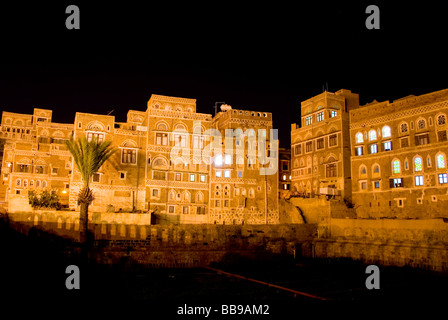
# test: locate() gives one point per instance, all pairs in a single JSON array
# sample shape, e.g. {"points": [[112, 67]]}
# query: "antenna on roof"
{"points": [[109, 112]]}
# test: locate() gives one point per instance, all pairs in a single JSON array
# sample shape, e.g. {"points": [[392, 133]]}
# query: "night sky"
{"points": [[265, 56]]}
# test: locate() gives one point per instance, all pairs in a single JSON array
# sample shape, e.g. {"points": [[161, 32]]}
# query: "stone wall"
{"points": [[416, 243], [130, 237]]}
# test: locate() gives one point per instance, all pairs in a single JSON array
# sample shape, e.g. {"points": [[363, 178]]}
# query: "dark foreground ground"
{"points": [[32, 280]]}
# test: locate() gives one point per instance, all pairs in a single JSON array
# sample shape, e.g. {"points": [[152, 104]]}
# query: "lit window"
{"points": [[320, 116], [372, 135], [333, 113], [180, 140], [202, 177], [226, 173], [240, 174], [129, 156], [376, 184], [218, 174], [359, 137], [396, 166], [227, 159], [308, 120], [396, 183], [192, 177], [442, 178], [92, 136], [218, 160], [418, 180], [418, 164], [440, 161], [386, 132], [387, 146], [358, 151], [161, 139], [373, 148], [284, 177]]}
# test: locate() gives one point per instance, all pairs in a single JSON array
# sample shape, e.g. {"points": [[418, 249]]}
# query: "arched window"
{"points": [[376, 169], [372, 135], [404, 127], [18, 183], [359, 137], [386, 132], [441, 120], [362, 170], [396, 168], [421, 124], [199, 197], [418, 164], [441, 162]]}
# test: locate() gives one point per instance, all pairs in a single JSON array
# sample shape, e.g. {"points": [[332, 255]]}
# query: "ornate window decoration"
{"points": [[372, 135], [386, 132], [418, 164], [396, 167], [359, 137]]}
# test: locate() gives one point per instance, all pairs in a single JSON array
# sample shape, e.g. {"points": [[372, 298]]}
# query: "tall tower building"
{"points": [[321, 146]]}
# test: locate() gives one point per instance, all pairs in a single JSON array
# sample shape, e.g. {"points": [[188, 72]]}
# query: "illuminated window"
{"points": [[372, 135], [387, 146], [333, 113], [440, 161], [192, 177], [418, 180], [442, 178], [218, 174], [359, 137], [161, 139], [359, 151], [308, 120], [373, 148], [93, 135], [386, 132], [227, 159], [129, 156], [226, 173], [320, 116], [418, 164], [218, 160], [396, 166]]}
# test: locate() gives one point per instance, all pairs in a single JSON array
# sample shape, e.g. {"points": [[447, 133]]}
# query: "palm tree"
{"points": [[89, 156]]}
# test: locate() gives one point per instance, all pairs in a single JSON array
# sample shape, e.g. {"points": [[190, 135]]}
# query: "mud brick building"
{"points": [[171, 162]]}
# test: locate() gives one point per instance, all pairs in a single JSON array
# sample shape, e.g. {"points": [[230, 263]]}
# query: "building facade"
{"points": [[320, 146], [171, 161], [387, 159], [398, 157]]}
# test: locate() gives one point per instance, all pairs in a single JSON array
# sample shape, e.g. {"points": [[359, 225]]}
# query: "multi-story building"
{"points": [[398, 157], [34, 156], [171, 161], [240, 190], [320, 146]]}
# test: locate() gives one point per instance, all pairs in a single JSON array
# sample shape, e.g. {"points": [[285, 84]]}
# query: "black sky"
{"points": [[265, 56]]}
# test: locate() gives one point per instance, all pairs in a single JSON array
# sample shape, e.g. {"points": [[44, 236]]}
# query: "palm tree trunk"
{"points": [[83, 223]]}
